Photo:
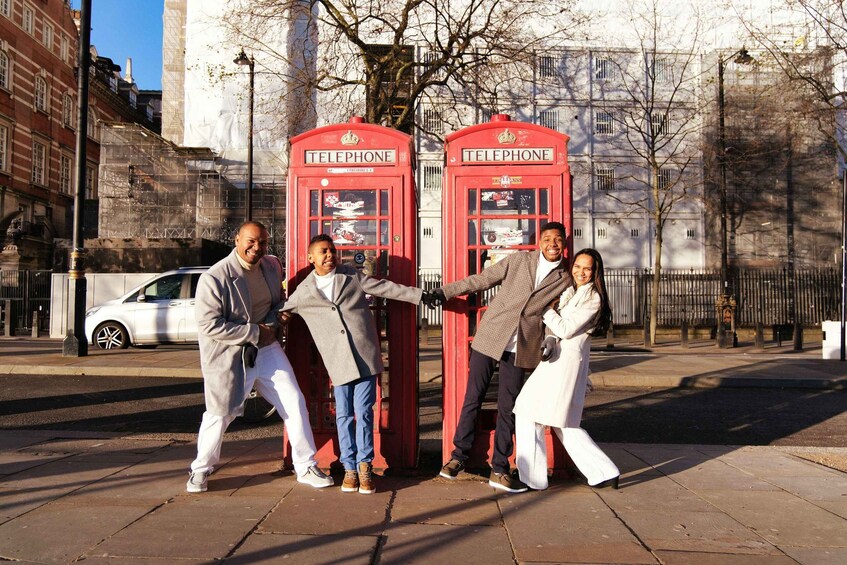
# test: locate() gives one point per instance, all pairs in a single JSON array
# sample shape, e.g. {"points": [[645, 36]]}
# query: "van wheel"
{"points": [[111, 335]]}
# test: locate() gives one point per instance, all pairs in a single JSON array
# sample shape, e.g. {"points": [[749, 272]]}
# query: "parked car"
{"points": [[159, 311]]}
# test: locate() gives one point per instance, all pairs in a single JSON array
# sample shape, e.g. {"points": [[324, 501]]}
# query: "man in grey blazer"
{"points": [[509, 334], [332, 302], [239, 351]]}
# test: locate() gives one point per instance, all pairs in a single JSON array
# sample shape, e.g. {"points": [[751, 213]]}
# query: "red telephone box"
{"points": [[502, 181], [355, 182]]}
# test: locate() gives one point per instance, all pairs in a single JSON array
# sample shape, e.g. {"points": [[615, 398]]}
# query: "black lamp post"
{"points": [[243, 59], [75, 343], [726, 301]]}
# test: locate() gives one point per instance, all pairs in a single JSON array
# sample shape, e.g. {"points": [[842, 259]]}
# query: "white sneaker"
{"points": [[315, 477], [197, 481]]}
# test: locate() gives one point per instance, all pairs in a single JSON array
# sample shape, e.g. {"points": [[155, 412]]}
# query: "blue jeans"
{"points": [[355, 435]]}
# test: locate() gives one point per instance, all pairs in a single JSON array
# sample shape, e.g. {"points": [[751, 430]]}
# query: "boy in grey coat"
{"points": [[332, 302]]}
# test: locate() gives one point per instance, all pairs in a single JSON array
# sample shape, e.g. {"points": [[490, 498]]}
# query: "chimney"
{"points": [[128, 76]]}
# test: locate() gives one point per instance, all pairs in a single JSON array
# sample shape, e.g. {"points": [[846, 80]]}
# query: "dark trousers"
{"points": [[480, 372]]}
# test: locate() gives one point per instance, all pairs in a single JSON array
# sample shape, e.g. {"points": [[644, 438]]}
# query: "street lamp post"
{"points": [[75, 343], [726, 302], [243, 59]]}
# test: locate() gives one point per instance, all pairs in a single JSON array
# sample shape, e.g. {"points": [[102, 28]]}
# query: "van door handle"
{"points": [[174, 304]]}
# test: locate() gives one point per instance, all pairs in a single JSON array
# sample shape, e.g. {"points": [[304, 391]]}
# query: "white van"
{"points": [[159, 311]]}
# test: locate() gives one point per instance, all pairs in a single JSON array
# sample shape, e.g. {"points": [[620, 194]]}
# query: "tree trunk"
{"points": [[657, 268]]}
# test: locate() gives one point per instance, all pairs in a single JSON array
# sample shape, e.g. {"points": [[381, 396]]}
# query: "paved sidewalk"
{"points": [[626, 365], [113, 499]]}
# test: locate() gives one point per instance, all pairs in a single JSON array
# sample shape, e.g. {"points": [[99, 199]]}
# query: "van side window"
{"points": [[166, 288], [195, 278]]}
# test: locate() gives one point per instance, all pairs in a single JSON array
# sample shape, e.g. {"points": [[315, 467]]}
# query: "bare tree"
{"points": [[652, 122], [383, 58]]}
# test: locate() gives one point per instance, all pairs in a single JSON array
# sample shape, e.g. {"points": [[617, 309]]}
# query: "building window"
{"points": [[29, 19], [659, 124], [133, 99], [5, 71], [92, 123], [40, 94], [577, 233], [63, 48], [39, 163], [433, 122], [601, 233], [427, 233], [633, 232], [665, 178], [662, 70], [549, 119], [604, 123], [546, 67], [485, 115], [429, 60], [690, 233], [6, 8], [605, 178], [90, 182], [432, 176], [67, 111], [602, 68], [65, 168], [47, 36], [113, 83], [4, 146]]}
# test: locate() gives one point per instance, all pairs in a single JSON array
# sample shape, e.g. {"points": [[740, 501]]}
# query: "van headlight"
{"points": [[92, 311]]}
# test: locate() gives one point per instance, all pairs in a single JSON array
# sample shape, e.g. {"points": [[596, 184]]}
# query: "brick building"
{"points": [[38, 120]]}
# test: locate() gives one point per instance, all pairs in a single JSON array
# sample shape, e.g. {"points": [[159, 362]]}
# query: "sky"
{"points": [[130, 28]]}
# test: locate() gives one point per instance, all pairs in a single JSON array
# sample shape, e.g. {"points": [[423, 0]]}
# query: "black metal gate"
{"points": [[25, 293]]}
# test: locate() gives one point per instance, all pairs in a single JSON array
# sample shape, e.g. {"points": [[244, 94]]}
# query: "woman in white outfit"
{"points": [[554, 394]]}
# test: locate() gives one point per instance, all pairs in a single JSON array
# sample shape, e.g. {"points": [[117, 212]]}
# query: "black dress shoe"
{"points": [[608, 483]]}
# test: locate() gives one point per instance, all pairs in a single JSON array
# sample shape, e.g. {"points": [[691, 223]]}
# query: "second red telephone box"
{"points": [[355, 182], [502, 181]]}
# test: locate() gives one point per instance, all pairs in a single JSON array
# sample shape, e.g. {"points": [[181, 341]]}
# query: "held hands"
{"points": [[548, 346], [434, 298], [267, 334]]}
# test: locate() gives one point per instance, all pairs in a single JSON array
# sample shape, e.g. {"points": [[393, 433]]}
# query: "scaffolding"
{"points": [[151, 188]]}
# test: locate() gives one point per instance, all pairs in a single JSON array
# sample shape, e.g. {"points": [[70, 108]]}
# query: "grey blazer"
{"points": [[344, 329], [517, 305], [223, 311]]}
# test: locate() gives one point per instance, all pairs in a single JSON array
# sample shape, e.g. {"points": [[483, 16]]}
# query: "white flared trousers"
{"points": [[531, 453], [274, 379]]}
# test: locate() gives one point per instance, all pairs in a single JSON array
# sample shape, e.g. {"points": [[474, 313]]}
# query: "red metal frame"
{"points": [[355, 181], [497, 175]]}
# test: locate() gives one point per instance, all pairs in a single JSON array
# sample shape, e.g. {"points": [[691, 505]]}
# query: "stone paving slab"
{"points": [[190, 527], [710, 532], [782, 518], [428, 544], [11, 463], [59, 533], [584, 529], [307, 510], [658, 494], [817, 556], [432, 510], [696, 558], [291, 548]]}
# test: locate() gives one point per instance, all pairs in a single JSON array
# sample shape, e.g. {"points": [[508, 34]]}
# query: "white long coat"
{"points": [[554, 394]]}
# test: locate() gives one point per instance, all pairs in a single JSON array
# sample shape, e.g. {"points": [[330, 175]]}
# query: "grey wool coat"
{"points": [[223, 311], [518, 306], [344, 328]]}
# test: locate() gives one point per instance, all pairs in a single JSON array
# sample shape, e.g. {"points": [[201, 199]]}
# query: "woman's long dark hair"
{"points": [[603, 319]]}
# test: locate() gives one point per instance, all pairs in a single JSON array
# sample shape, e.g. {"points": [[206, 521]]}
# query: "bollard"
{"points": [[646, 333], [760, 335], [610, 337], [683, 334], [798, 336], [35, 323]]}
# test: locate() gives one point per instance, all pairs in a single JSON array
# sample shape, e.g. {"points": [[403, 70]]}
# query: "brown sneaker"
{"points": [[366, 481], [351, 481], [506, 482]]}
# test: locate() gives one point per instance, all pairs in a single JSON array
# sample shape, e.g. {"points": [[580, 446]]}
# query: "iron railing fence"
{"points": [[769, 296], [27, 291]]}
